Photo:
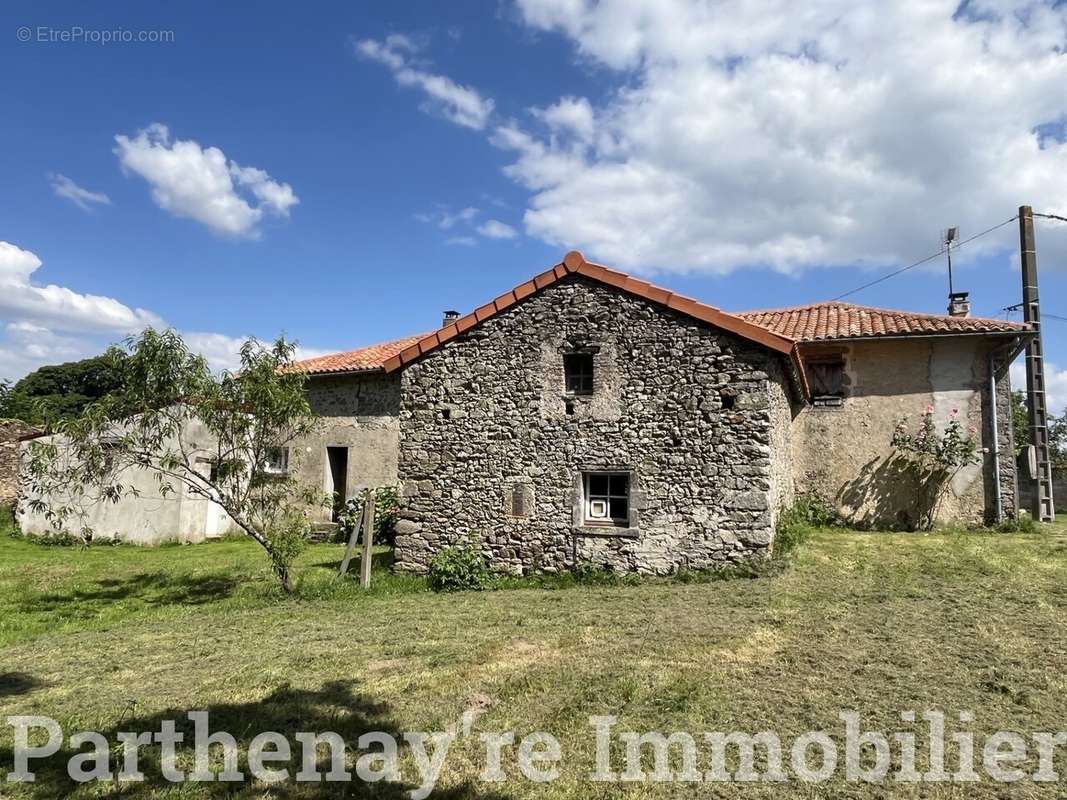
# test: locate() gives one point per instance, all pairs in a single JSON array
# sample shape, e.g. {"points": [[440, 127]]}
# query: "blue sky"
{"points": [[422, 156]]}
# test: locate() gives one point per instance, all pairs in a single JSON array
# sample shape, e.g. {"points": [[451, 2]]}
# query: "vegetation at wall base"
{"points": [[457, 568], [386, 505]]}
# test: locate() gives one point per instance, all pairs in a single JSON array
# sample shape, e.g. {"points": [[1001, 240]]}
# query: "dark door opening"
{"points": [[338, 458]]}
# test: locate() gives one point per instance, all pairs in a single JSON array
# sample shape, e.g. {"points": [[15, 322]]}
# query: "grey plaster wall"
{"points": [[149, 518], [485, 418], [359, 412], [844, 453]]}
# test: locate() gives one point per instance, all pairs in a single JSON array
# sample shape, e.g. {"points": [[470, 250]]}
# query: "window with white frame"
{"points": [[606, 498], [276, 461]]}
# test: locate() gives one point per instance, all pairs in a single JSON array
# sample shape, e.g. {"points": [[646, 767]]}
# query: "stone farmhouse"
{"points": [[588, 416]]}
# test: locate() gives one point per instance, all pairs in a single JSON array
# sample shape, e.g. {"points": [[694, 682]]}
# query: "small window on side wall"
{"points": [[606, 498], [827, 378], [578, 373], [276, 461]]}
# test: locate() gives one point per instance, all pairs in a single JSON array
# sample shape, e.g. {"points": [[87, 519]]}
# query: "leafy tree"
{"points": [[933, 459], [5, 399], [211, 435], [61, 391], [1057, 431], [1020, 421]]}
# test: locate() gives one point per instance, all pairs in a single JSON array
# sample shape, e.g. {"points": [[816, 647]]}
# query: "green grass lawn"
{"points": [[119, 638]]}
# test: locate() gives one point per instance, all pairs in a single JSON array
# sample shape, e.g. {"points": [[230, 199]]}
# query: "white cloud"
{"points": [[459, 104], [81, 197], [201, 183], [570, 114], [768, 133], [495, 229], [1055, 385], [58, 307], [445, 219], [224, 352], [462, 241], [51, 324]]}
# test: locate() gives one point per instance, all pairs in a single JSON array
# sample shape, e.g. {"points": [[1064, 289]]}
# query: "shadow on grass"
{"points": [[151, 588], [16, 683], [382, 560], [333, 707]]}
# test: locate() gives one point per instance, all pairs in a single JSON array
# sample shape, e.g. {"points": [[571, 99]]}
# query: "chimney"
{"points": [[450, 317], [959, 305]]}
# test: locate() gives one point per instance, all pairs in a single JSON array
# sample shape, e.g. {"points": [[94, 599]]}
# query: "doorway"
{"points": [[338, 462]]}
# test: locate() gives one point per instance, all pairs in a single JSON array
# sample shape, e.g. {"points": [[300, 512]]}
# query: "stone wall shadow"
{"points": [[883, 494], [335, 707]]}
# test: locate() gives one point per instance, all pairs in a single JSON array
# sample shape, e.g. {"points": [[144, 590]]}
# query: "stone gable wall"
{"points": [[491, 447]]}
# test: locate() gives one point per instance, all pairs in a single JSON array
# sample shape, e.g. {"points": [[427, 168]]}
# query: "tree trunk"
{"points": [[278, 566]]}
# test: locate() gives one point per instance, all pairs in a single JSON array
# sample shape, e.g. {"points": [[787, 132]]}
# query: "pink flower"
{"points": [[955, 411], [972, 429]]}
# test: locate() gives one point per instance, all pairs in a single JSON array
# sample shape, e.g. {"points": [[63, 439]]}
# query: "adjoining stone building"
{"points": [[12, 432], [587, 416]]}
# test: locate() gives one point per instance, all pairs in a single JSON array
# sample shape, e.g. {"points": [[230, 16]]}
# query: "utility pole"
{"points": [[1042, 508]]}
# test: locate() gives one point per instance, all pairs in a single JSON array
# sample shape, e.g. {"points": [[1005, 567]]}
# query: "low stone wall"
{"points": [[1059, 490], [10, 432]]}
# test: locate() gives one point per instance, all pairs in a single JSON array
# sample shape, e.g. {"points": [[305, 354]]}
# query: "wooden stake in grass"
{"points": [[368, 534], [366, 524], [353, 537]]}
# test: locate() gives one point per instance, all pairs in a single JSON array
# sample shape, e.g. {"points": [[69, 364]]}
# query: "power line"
{"points": [[1051, 216], [922, 261]]}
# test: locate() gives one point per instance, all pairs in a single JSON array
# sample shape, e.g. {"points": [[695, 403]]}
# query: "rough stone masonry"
{"points": [[493, 448]]}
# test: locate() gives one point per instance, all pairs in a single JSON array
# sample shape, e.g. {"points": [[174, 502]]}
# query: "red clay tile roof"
{"points": [[837, 320], [575, 263], [364, 359]]}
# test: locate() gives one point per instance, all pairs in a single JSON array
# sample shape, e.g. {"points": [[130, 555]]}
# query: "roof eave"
{"points": [[923, 335], [331, 373], [574, 263]]}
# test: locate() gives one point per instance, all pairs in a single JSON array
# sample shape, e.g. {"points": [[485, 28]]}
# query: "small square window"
{"points": [[276, 461], [827, 378], [578, 373], [607, 498]]}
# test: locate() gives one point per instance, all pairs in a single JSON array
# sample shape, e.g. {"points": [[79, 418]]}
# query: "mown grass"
{"points": [[119, 638]]}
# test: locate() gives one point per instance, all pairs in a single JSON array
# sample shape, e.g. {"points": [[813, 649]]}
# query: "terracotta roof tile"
{"points": [[575, 263], [362, 360], [837, 320]]}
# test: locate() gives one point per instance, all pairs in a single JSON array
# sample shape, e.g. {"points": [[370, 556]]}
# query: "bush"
{"points": [[742, 570], [385, 508], [586, 573], [811, 509], [458, 568], [1020, 523], [7, 520], [288, 540], [799, 521]]}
